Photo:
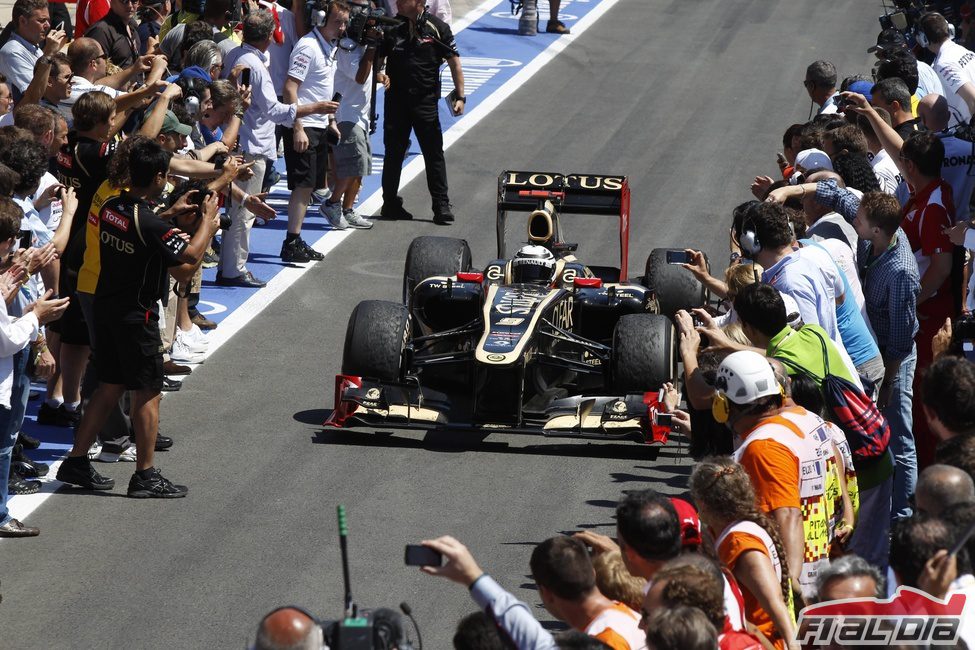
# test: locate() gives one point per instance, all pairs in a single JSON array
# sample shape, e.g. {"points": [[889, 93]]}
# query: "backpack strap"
{"points": [[825, 352]]}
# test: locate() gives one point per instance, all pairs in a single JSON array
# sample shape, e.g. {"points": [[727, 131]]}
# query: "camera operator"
{"points": [[289, 628], [353, 153], [138, 251], [413, 52], [311, 78], [257, 140]]}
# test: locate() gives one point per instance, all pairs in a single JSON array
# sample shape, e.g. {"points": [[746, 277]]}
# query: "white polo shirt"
{"points": [[80, 86], [955, 66], [354, 106], [313, 63]]}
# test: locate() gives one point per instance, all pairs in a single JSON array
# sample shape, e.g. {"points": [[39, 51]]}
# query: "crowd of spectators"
{"points": [[830, 397], [139, 148]]}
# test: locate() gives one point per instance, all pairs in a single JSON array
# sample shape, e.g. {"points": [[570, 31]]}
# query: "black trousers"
{"points": [[416, 113]]}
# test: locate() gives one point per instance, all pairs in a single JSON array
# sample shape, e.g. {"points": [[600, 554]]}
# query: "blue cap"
{"points": [[861, 87]]}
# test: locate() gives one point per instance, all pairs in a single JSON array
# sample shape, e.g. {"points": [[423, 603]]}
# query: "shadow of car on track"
{"points": [[458, 441]]}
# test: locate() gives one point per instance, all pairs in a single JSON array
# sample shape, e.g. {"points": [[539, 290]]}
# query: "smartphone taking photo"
{"points": [[678, 257], [417, 555]]}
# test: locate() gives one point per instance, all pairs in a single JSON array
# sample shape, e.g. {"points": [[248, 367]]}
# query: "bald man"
{"points": [[933, 111], [940, 486], [289, 628]]}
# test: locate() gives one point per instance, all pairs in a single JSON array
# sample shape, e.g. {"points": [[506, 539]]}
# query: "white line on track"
{"points": [[22, 506]]}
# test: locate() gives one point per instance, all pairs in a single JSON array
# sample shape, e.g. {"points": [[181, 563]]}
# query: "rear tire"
{"points": [[432, 256], [374, 340], [674, 286], [644, 355]]}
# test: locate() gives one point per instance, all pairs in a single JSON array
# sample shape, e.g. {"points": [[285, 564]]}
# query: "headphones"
{"points": [[748, 240], [318, 17], [193, 88], [922, 38], [319, 628]]}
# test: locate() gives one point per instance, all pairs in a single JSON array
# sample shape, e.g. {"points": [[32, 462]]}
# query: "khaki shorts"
{"points": [[353, 154]]}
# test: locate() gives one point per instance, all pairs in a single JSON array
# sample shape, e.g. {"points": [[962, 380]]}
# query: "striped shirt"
{"points": [[891, 280]]}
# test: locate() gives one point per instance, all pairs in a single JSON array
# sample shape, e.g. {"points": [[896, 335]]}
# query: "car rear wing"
{"points": [[595, 194]]}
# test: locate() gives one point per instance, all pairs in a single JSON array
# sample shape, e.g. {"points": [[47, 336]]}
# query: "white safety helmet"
{"points": [[745, 376], [533, 264]]}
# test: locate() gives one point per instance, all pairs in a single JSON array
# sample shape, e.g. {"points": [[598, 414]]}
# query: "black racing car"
{"points": [[536, 343]]}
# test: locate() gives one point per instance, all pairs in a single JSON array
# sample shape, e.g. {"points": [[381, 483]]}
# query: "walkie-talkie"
{"points": [[353, 632]]}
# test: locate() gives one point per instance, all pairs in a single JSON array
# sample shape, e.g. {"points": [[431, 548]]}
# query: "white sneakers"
{"points": [[190, 346]]}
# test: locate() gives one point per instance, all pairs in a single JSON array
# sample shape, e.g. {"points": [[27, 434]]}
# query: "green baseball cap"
{"points": [[172, 124]]}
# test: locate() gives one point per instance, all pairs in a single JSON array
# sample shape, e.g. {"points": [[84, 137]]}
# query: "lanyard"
{"points": [[327, 50]]}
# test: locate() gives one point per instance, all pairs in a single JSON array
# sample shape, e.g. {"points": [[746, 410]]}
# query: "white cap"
{"points": [[814, 159]]}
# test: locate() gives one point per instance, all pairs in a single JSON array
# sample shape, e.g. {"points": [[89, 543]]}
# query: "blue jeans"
{"points": [[9, 426], [898, 414]]}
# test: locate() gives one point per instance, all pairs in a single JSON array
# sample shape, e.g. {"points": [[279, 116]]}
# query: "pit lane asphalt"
{"points": [[686, 98]]}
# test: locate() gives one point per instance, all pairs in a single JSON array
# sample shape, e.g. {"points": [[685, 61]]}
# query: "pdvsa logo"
{"points": [[911, 617]]}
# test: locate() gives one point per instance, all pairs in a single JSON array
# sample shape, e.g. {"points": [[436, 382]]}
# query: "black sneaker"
{"points": [[21, 464], [79, 471], [443, 214], [395, 211], [154, 486], [314, 255], [29, 442], [163, 442], [57, 416], [556, 27], [17, 485], [293, 252]]}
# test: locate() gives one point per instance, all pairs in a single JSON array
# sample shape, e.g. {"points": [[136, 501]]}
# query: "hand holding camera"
{"points": [[460, 566]]}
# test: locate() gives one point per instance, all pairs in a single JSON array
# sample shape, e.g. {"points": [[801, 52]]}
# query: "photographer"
{"points": [[138, 250], [413, 52], [510, 615], [15, 336]]}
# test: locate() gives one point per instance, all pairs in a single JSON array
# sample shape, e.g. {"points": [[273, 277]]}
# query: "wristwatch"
{"points": [[47, 60], [460, 98]]}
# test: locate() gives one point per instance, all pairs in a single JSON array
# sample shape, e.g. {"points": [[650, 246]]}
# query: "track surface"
{"points": [[686, 98]]}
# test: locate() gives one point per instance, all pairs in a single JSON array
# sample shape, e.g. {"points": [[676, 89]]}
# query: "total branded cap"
{"points": [[690, 523], [171, 124], [889, 39]]}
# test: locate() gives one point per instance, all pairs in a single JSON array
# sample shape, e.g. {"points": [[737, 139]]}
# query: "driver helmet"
{"points": [[534, 265]]}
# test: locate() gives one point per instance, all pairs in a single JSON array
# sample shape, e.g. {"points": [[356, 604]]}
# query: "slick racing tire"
{"points": [[433, 256], [644, 354], [674, 286], [374, 340]]}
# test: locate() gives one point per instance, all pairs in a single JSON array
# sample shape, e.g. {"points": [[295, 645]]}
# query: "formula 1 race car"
{"points": [[536, 343]]}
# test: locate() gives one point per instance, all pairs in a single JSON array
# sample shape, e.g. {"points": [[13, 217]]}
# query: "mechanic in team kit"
{"points": [[414, 52]]}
